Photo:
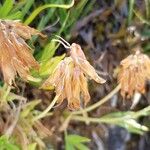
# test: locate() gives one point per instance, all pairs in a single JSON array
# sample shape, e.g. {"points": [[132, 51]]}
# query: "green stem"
{"points": [[147, 8], [100, 102], [41, 8], [95, 120], [43, 114], [141, 18], [131, 7], [85, 115]]}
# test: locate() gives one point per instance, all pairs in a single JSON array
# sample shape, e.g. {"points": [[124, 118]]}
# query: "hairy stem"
{"points": [[96, 120]]}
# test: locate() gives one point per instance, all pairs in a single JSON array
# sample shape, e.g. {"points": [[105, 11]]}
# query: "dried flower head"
{"points": [[81, 61], [70, 78], [134, 72], [15, 54]]}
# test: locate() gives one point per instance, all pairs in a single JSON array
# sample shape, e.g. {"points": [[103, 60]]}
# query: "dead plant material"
{"points": [[70, 78], [134, 72], [15, 54]]}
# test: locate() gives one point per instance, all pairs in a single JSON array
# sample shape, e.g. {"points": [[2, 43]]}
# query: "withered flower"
{"points": [[134, 72], [70, 78], [15, 54], [81, 61]]}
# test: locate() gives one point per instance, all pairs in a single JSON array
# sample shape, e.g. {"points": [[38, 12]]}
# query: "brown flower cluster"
{"points": [[134, 72], [70, 78], [15, 54]]}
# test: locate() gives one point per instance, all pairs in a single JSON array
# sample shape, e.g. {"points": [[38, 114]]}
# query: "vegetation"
{"points": [[47, 96]]}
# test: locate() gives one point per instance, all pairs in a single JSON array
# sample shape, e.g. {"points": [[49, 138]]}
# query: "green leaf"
{"points": [[79, 8], [48, 67], [74, 142], [126, 120], [27, 6], [132, 126], [29, 107], [77, 139], [6, 8], [16, 15], [69, 146], [5, 144], [81, 146], [48, 51], [32, 146]]}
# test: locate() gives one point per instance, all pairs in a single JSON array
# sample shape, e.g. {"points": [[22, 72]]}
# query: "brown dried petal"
{"points": [[84, 89], [16, 57], [23, 52], [90, 71], [76, 83], [70, 81], [80, 60], [22, 30]]}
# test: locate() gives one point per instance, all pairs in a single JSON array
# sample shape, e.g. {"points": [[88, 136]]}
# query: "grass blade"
{"points": [[131, 7], [41, 8], [6, 8]]}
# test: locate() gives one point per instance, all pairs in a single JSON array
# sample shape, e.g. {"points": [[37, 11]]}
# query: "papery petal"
{"points": [[76, 52], [84, 89], [23, 52], [8, 72], [68, 82], [15, 54], [23, 30], [76, 83], [74, 104], [80, 60], [90, 71]]}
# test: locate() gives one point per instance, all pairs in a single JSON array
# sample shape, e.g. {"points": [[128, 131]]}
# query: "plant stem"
{"points": [[96, 120], [100, 102], [131, 8], [65, 124], [6, 89], [47, 109], [80, 118], [147, 9], [85, 115], [41, 8]]}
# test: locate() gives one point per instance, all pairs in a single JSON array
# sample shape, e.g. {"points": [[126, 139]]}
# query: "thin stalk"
{"points": [[7, 89], [96, 120], [147, 8], [65, 124], [85, 115], [41, 8], [141, 18], [82, 119], [131, 8], [43, 114], [100, 102]]}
